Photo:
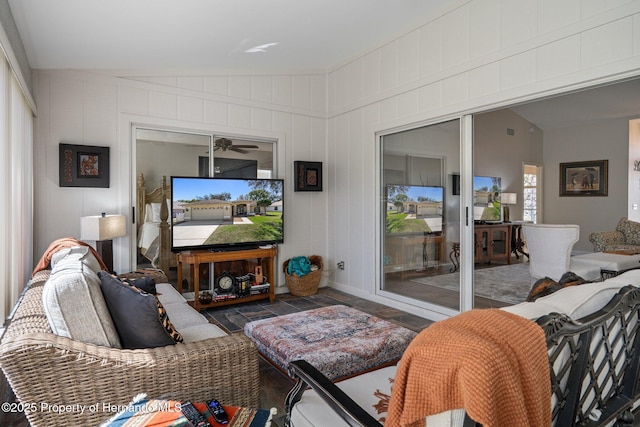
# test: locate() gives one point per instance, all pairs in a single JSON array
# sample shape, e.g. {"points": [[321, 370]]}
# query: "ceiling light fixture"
{"points": [[260, 48]]}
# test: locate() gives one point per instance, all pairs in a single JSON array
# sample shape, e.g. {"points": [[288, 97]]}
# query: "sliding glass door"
{"points": [[420, 215]]}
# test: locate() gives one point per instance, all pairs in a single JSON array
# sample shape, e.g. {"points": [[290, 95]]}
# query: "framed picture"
{"points": [[84, 166], [308, 176], [588, 178]]}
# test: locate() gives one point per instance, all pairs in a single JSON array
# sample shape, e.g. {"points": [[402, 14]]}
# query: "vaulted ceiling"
{"points": [[252, 36], [222, 34]]}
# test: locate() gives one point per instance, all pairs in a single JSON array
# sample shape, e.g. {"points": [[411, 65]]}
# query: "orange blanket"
{"points": [[56, 245], [492, 363]]}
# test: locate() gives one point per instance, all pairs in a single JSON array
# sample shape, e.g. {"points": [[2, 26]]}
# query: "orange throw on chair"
{"points": [[490, 362], [56, 245]]}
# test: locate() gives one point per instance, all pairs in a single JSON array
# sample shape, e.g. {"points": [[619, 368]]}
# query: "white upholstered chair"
{"points": [[550, 247]]}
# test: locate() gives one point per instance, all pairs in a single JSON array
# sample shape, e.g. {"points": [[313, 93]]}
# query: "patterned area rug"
{"points": [[508, 283], [339, 341]]}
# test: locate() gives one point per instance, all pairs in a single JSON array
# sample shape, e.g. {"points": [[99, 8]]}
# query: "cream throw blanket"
{"points": [[490, 362]]}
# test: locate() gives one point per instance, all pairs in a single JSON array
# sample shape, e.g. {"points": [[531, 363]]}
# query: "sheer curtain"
{"points": [[16, 188]]}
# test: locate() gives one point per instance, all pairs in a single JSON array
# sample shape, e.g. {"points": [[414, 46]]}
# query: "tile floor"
{"points": [[275, 384]]}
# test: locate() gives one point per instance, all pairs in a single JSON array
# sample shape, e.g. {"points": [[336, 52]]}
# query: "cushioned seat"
{"points": [[550, 247], [626, 236], [371, 391]]}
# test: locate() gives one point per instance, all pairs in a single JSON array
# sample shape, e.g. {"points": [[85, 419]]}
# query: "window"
{"points": [[530, 193]]}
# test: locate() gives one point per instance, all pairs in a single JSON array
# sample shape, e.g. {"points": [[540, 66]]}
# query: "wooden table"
{"points": [[252, 257]]}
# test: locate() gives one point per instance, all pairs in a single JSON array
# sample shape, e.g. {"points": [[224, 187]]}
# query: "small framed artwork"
{"points": [[84, 166], [589, 178], [308, 176]]}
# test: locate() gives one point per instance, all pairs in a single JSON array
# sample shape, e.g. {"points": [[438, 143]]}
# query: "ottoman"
{"points": [[611, 264], [339, 341]]}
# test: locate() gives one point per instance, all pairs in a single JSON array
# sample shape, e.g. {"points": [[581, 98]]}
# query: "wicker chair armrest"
{"points": [[47, 369], [602, 239]]}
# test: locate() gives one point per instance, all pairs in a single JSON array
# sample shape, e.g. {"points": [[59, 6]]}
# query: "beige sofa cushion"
{"points": [[73, 301], [192, 325], [201, 332]]}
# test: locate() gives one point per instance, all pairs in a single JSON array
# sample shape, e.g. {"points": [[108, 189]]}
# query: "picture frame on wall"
{"points": [[587, 178], [308, 176], [83, 166]]}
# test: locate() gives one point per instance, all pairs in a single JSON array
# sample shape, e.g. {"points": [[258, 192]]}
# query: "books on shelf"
{"points": [[260, 289]]}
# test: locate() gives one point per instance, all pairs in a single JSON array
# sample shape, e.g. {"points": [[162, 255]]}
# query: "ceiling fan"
{"points": [[225, 144]]}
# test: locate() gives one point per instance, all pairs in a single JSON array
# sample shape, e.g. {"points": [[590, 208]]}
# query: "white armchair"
{"points": [[550, 247]]}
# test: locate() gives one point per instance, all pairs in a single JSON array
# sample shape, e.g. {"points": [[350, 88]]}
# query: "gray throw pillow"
{"points": [[139, 317]]}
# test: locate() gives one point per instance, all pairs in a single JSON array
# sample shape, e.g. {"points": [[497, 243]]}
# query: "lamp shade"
{"points": [[100, 227], [509, 198]]}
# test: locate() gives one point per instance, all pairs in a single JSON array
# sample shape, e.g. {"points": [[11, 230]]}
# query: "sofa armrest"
{"points": [[602, 239], [308, 376], [45, 369]]}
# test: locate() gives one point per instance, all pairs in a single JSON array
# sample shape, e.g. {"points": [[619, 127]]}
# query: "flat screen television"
{"points": [[225, 213], [413, 209], [486, 199]]}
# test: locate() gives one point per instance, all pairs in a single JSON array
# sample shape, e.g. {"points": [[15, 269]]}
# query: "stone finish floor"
{"points": [[274, 384]]}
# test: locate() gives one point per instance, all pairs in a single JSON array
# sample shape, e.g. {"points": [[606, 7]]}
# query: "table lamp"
{"points": [[507, 199], [103, 229]]}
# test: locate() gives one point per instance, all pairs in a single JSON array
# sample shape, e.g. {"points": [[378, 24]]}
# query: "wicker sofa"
{"points": [[625, 237], [66, 382], [594, 366]]}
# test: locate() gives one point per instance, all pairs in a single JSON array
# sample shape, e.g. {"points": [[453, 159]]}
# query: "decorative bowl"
{"points": [[205, 297]]}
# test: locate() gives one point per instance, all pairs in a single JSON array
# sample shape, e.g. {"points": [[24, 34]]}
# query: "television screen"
{"points": [[414, 209], [486, 198], [225, 213]]}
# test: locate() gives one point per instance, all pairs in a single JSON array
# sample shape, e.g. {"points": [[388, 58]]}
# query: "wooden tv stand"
{"points": [[252, 257], [492, 242]]}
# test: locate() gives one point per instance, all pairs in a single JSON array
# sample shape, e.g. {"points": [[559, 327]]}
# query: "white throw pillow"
{"points": [[74, 304], [148, 213], [155, 212]]}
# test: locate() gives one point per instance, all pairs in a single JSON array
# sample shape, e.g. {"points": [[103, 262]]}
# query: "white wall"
{"points": [[602, 140], [94, 109], [171, 158], [496, 153], [634, 171], [483, 55]]}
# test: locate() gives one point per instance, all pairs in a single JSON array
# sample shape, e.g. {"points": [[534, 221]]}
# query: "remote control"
{"points": [[193, 415], [218, 412]]}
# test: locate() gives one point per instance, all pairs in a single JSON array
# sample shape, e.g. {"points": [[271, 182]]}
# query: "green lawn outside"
{"points": [[397, 223], [263, 228]]}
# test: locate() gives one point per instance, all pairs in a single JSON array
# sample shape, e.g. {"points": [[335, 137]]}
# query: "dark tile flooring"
{"points": [[274, 384]]}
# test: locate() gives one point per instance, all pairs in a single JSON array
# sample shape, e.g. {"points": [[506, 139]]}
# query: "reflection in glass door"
{"points": [[165, 153], [420, 211]]}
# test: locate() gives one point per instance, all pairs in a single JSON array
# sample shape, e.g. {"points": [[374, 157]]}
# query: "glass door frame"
{"points": [[134, 126], [435, 311]]}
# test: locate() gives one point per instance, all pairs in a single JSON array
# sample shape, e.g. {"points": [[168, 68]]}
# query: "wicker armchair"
{"points": [[625, 237], [46, 370]]}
